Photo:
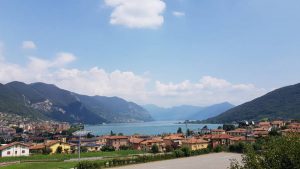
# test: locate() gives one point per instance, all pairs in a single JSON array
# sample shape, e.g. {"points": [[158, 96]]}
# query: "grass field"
{"points": [[62, 157], [55, 161], [44, 165]]}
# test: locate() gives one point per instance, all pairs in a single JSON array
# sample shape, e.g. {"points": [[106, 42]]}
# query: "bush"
{"points": [[107, 148], [186, 151], [277, 153], [46, 151], [59, 150], [178, 153], [218, 149], [237, 148], [88, 165], [123, 147], [154, 149]]}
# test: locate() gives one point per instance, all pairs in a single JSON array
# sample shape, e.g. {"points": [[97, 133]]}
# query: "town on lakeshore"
{"points": [[25, 138]]}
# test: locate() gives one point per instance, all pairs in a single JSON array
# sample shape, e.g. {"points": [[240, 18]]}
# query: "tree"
{"points": [[46, 150], [154, 149], [186, 151], [277, 153], [59, 150], [228, 127], [107, 148], [189, 132], [112, 133], [179, 130]]}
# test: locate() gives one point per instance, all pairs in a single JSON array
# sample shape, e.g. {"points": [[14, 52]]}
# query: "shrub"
{"points": [[107, 148], [59, 150], [154, 149], [88, 165], [186, 151], [46, 150], [178, 153], [277, 152]]}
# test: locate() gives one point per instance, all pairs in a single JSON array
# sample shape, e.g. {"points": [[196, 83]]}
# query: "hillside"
{"points": [[283, 103], [187, 112], [211, 111], [45, 101]]}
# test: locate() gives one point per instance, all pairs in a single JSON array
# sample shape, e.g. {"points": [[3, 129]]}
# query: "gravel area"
{"points": [[208, 161]]}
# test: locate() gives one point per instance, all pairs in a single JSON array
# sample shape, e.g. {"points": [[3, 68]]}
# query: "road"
{"points": [[208, 161]]}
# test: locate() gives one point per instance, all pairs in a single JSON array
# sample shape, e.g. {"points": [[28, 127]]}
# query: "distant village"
{"points": [[20, 137]]}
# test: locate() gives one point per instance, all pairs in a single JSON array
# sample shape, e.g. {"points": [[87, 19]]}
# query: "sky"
{"points": [[163, 52]]}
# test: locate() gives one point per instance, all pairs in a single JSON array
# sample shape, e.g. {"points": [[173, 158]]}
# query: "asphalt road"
{"points": [[208, 161]]}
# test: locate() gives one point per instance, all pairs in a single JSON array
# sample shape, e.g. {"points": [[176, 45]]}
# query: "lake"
{"points": [[145, 128]]}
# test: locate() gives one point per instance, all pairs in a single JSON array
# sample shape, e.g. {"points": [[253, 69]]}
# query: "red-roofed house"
{"points": [[117, 141], [14, 149], [195, 144]]}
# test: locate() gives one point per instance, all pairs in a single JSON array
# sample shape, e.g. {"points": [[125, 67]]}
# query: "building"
{"points": [[215, 140], [277, 124], [265, 125], [195, 144], [14, 149], [218, 131], [147, 144], [237, 132], [135, 143], [243, 139], [174, 140], [117, 141], [52, 145]]}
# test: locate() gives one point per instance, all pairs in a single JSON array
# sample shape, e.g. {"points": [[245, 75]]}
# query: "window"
{"points": [[16, 152], [23, 151], [8, 152]]}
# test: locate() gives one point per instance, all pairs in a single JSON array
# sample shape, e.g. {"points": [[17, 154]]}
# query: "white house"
{"points": [[14, 149]]}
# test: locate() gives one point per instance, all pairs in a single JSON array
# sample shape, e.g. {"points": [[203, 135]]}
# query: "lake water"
{"points": [[145, 128]]}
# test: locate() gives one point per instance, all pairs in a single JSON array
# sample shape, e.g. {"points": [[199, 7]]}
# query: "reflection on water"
{"points": [[145, 128]]}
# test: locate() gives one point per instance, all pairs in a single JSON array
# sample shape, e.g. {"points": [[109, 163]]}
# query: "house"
{"points": [[264, 125], [147, 144], [277, 124], [52, 145], [14, 149], [117, 141], [237, 132], [215, 140], [260, 132], [235, 140], [195, 144], [135, 143], [218, 131], [174, 140]]}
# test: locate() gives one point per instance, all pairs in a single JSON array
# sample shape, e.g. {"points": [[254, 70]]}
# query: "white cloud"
{"points": [[178, 14], [28, 45], [128, 85], [137, 13], [207, 91]]}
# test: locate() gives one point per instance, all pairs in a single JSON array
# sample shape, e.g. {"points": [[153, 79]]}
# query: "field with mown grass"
{"points": [[43, 165], [62, 157]]}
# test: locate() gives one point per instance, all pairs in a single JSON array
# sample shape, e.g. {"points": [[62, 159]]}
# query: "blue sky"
{"points": [[168, 47]]}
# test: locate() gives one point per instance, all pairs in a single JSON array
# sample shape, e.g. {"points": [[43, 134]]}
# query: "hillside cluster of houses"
{"points": [[200, 139]]}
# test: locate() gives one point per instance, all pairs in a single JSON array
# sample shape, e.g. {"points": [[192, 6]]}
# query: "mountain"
{"points": [[283, 103], [173, 113], [46, 101], [211, 111], [187, 112]]}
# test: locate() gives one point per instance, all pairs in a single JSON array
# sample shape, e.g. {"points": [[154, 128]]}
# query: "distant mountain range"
{"points": [[187, 112], [46, 101], [283, 103]]}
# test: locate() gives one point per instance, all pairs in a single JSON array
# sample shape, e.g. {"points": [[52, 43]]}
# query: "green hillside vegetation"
{"points": [[46, 101], [283, 103]]}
